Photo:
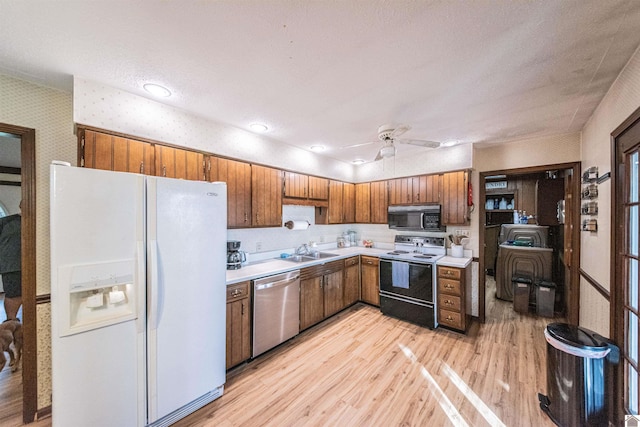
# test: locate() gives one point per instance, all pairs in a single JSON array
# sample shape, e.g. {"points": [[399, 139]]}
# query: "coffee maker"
{"points": [[235, 257]]}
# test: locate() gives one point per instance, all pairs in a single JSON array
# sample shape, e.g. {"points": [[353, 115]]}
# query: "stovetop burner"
{"points": [[397, 252]]}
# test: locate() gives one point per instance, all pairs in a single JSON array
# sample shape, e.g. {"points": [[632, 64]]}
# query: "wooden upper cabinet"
{"points": [[379, 202], [318, 188], [363, 202], [401, 191], [237, 175], [454, 198], [335, 202], [426, 189], [108, 152], [178, 163], [296, 185], [266, 196], [348, 203]]}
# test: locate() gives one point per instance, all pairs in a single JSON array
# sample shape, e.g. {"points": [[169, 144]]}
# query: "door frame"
{"points": [[28, 235], [573, 301]]}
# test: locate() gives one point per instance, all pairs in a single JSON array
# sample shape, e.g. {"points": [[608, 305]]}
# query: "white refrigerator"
{"points": [[138, 297]]}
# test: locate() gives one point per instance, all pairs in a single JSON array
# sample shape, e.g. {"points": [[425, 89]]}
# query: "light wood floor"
{"points": [[361, 368]]}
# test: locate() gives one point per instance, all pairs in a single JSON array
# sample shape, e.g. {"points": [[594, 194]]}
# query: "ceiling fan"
{"points": [[388, 134]]}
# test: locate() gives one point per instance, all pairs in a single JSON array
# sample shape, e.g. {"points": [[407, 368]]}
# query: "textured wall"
{"points": [[49, 112], [622, 99], [105, 107]]}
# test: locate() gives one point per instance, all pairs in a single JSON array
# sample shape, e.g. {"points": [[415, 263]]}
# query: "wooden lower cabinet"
{"points": [[351, 280], [321, 292], [238, 323], [454, 297], [370, 275]]}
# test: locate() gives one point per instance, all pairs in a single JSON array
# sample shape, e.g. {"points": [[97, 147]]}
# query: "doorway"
{"points": [[501, 187], [28, 368]]}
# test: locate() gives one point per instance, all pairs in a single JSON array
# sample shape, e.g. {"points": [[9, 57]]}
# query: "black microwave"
{"points": [[415, 218]]}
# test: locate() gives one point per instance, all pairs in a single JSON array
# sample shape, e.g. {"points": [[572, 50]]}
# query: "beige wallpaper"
{"points": [[49, 112], [105, 107], [622, 99]]}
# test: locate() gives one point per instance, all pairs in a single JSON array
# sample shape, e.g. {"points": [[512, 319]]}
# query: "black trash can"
{"points": [[545, 298], [521, 292], [578, 365]]}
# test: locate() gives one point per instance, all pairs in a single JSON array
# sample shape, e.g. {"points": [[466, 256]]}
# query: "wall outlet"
{"points": [[321, 239], [462, 233], [258, 246]]}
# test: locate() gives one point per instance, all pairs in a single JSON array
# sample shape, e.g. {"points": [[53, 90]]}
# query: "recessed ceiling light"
{"points": [[358, 161], [449, 143], [157, 90], [258, 127], [317, 148]]}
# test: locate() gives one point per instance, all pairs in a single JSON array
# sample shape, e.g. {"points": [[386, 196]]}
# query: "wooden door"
{"points": [[348, 203], [237, 175], [363, 202], [433, 188], [333, 293], [379, 202], [454, 205], [335, 202], [311, 301], [351, 280], [318, 188], [370, 280], [266, 196], [296, 185]]}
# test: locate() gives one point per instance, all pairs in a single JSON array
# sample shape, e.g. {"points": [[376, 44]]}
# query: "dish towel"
{"points": [[400, 274]]}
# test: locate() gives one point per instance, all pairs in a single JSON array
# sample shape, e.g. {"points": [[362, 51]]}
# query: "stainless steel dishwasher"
{"points": [[276, 310]]}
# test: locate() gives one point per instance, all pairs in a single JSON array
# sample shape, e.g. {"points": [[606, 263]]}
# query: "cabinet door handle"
{"points": [[449, 318], [246, 217], [242, 312], [164, 170], [142, 167], [447, 286]]}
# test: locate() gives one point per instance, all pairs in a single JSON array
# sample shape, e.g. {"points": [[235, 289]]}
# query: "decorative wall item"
{"points": [[589, 207]]}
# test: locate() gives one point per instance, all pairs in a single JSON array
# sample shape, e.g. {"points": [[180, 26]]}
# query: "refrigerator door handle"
{"points": [[140, 284], [153, 269]]}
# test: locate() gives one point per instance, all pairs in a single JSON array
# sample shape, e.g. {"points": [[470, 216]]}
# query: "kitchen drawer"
{"points": [[351, 261], [449, 272], [450, 319], [369, 260], [237, 291], [450, 302], [449, 286]]}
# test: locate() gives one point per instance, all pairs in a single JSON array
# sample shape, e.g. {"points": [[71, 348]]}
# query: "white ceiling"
{"points": [[330, 72]]}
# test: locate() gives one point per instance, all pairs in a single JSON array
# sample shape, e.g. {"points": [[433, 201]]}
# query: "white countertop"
{"points": [[275, 266]]}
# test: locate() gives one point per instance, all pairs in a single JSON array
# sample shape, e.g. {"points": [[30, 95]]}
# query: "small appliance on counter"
{"points": [[235, 257]]}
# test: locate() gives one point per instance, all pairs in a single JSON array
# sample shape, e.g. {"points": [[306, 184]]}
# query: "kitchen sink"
{"points": [[310, 257]]}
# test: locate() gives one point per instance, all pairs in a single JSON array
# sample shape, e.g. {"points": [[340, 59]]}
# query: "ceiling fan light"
{"points": [[388, 151]]}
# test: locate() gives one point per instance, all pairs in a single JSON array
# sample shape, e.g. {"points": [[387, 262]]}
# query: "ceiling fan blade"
{"points": [[399, 131], [378, 157], [359, 145], [419, 142]]}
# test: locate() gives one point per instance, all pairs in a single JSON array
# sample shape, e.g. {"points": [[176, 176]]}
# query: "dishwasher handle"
{"points": [[275, 284]]}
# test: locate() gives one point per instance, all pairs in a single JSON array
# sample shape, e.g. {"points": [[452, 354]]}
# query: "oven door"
{"points": [[412, 280]]}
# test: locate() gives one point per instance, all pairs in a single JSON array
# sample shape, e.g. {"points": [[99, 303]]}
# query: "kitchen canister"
{"points": [[457, 251]]}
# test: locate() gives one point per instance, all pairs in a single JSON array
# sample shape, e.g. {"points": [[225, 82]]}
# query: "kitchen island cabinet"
{"points": [[238, 323], [321, 292], [266, 197], [370, 276]]}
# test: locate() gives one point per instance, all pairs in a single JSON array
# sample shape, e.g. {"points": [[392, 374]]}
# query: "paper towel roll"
{"points": [[297, 225]]}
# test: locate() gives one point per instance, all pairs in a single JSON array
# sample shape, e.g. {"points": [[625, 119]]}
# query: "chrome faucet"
{"points": [[303, 249]]}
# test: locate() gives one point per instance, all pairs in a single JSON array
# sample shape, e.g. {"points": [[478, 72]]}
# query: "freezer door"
{"points": [[97, 297], [186, 223]]}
